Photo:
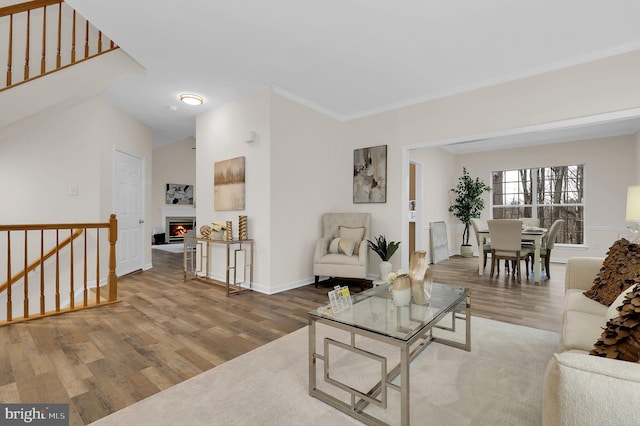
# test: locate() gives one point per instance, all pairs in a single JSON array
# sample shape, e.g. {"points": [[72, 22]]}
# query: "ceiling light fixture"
{"points": [[191, 99]]}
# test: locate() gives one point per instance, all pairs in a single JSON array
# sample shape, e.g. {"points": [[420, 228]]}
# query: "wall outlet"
{"points": [[73, 190]]}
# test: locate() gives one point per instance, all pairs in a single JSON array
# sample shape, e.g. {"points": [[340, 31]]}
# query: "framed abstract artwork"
{"points": [[228, 184], [370, 175], [179, 194]]}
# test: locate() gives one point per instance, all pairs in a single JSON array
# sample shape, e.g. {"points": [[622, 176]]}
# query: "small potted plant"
{"points": [[467, 205], [385, 249]]}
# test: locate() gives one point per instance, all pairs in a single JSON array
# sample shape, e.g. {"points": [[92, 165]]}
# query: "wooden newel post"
{"points": [[112, 279]]}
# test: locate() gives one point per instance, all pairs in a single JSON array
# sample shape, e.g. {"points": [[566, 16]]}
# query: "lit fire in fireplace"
{"points": [[179, 231]]}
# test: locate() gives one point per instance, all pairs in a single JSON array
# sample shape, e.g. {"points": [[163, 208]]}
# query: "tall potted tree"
{"points": [[467, 205]]}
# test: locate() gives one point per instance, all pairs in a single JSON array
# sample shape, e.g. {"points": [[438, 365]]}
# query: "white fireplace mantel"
{"points": [[176, 211]]}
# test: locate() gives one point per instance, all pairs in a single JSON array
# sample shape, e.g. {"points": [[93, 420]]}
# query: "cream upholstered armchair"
{"points": [[343, 251]]}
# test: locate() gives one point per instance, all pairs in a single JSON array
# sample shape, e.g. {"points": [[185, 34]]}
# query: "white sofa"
{"points": [[582, 389]]}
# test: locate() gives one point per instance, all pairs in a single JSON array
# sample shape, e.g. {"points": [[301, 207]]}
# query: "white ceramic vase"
{"points": [[401, 290], [385, 270]]}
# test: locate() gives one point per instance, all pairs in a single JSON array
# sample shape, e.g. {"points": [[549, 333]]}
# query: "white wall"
{"points": [[219, 136], [43, 155], [67, 139], [116, 130], [47, 153], [308, 169], [293, 175], [174, 163], [438, 168], [386, 217]]}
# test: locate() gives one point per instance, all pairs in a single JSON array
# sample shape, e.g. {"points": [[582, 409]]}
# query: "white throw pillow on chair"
{"points": [[355, 234], [342, 246]]}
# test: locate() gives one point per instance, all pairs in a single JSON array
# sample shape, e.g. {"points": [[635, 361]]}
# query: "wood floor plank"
{"points": [[9, 393], [159, 377], [73, 381], [113, 383], [142, 387], [6, 373], [90, 406], [51, 387], [41, 364]]}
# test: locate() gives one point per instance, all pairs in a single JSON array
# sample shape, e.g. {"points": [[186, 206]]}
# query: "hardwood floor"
{"points": [[167, 330], [502, 298]]}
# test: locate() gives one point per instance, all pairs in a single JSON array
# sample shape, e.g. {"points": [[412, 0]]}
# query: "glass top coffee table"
{"points": [[374, 317]]}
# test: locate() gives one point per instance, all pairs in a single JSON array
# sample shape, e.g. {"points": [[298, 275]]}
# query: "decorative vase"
{"points": [[401, 290], [218, 235], [243, 234], [228, 233], [419, 270], [466, 250], [428, 283], [385, 270]]}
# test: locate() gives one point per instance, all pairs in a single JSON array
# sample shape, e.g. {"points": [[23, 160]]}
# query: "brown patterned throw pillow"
{"points": [[619, 271], [621, 338]]}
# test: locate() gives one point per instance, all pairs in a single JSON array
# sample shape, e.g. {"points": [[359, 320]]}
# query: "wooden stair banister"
{"points": [[41, 260], [68, 22], [23, 7], [58, 288]]}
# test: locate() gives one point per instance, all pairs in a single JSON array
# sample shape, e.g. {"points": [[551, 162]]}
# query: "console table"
{"points": [[197, 257]]}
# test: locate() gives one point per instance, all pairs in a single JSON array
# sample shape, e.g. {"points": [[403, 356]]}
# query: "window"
{"points": [[546, 193]]}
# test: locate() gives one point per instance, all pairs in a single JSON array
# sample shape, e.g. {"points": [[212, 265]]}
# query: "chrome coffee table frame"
{"points": [[420, 336]]}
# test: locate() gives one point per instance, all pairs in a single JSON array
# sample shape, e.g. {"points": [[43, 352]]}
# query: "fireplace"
{"points": [[176, 228]]}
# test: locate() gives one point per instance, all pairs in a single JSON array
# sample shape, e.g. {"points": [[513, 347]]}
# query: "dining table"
{"points": [[529, 234]]}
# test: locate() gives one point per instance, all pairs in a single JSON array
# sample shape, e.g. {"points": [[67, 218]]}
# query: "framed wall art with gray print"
{"points": [[370, 175]]}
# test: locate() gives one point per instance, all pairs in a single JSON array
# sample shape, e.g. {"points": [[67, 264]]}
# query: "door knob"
{"points": [[141, 221]]}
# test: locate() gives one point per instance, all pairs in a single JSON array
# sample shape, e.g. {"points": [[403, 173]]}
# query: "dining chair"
{"points": [[479, 225], [548, 242], [529, 221], [506, 243]]}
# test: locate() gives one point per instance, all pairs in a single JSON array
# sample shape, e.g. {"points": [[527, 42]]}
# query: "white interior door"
{"points": [[128, 207]]}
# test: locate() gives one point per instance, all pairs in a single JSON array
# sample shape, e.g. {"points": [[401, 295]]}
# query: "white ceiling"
{"points": [[346, 58]]}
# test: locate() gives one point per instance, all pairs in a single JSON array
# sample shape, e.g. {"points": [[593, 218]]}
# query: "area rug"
{"points": [[498, 383], [171, 248]]}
